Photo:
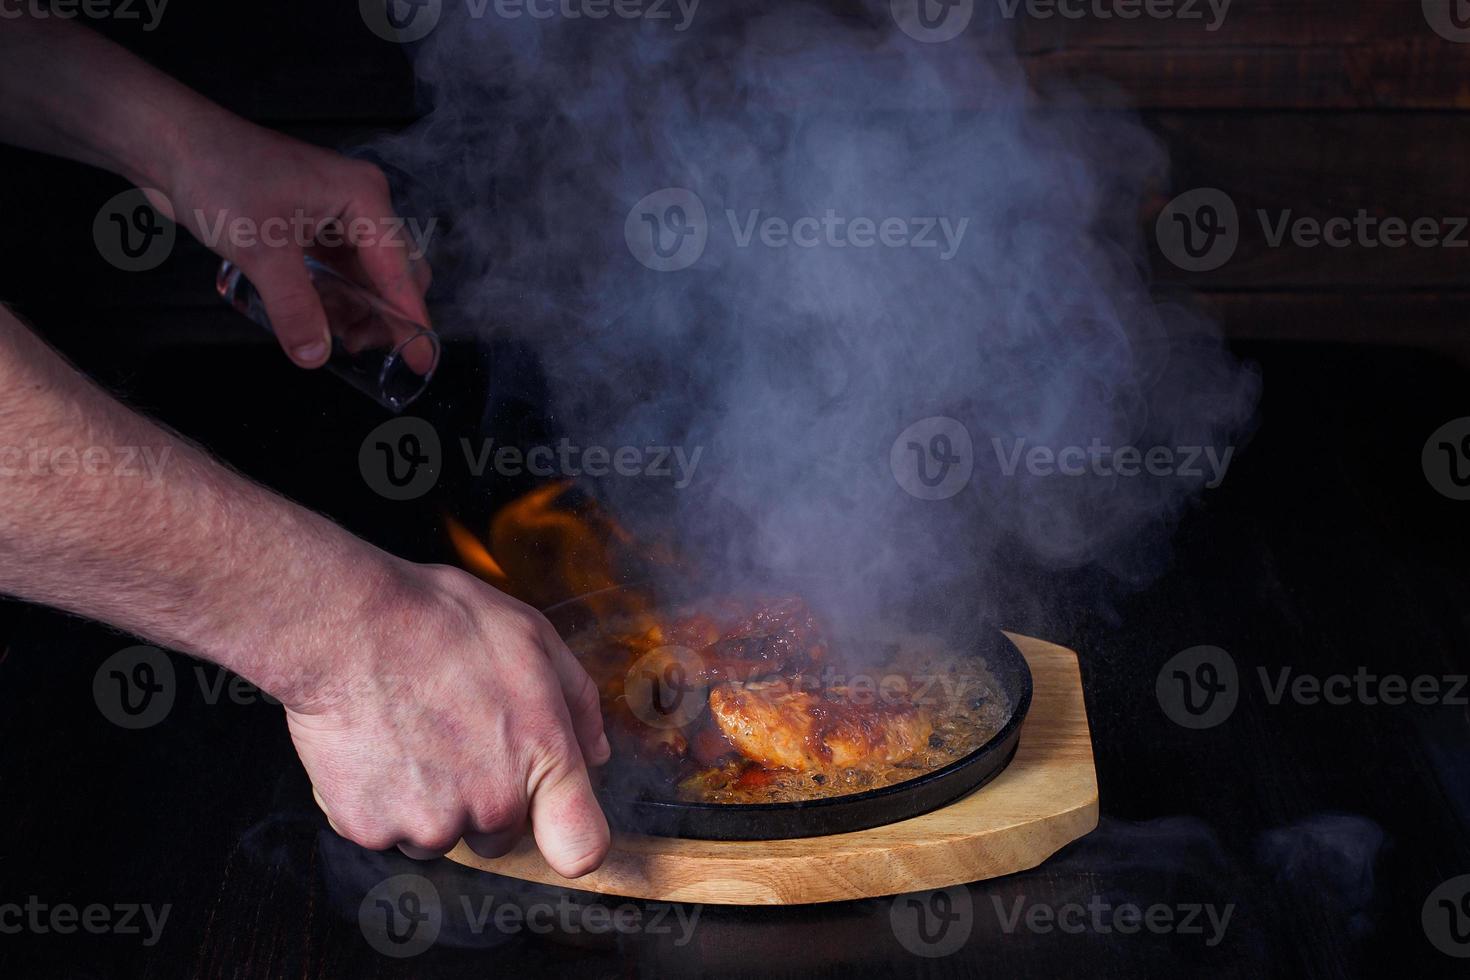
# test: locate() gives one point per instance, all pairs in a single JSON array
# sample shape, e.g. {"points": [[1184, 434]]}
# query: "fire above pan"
{"points": [[648, 811]]}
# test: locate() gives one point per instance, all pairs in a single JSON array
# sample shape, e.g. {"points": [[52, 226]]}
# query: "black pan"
{"points": [[838, 814]]}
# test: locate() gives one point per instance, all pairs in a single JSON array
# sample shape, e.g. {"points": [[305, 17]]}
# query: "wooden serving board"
{"points": [[1044, 799]]}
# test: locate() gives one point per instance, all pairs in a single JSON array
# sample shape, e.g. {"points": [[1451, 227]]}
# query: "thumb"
{"points": [[292, 303], [570, 829]]}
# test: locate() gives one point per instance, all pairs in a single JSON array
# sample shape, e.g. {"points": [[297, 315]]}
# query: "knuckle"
{"points": [[432, 829], [519, 626], [497, 812], [371, 835]]}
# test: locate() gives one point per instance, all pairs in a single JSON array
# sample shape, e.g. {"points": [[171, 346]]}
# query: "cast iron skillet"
{"points": [[837, 814]]}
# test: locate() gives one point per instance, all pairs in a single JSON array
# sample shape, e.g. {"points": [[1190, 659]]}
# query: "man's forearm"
{"points": [[68, 91], [180, 551]]}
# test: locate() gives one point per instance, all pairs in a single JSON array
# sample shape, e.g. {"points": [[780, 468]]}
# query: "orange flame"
{"points": [[474, 554], [548, 546]]}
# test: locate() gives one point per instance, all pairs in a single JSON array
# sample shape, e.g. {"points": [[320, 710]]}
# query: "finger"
{"points": [[387, 258], [496, 843], [389, 270], [373, 840], [431, 837], [570, 829], [580, 693], [376, 266], [292, 304]]}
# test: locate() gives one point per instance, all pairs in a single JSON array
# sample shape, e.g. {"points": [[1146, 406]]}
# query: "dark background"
{"points": [[1326, 550]]}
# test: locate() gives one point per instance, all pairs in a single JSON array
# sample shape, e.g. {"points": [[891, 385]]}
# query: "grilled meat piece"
{"points": [[780, 726], [781, 636]]}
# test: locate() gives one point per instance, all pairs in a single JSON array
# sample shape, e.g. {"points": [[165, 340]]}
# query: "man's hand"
{"points": [[71, 92], [454, 711], [294, 199], [424, 704]]}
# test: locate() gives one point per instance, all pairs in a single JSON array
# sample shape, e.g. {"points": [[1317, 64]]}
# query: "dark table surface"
{"points": [[1319, 829]]}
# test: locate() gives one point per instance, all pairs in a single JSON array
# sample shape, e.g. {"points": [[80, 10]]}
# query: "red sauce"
{"points": [[754, 777]]}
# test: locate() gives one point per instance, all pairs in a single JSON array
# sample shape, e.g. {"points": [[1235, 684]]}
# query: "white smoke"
{"points": [[795, 368]]}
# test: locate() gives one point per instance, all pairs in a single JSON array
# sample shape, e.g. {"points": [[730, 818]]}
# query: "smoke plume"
{"points": [[795, 366]]}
